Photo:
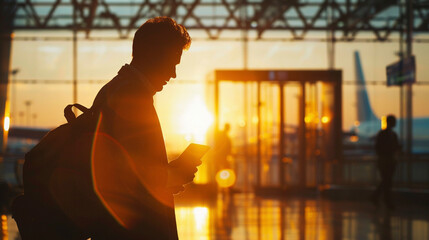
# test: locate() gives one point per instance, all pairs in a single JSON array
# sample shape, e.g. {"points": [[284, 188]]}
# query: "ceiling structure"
{"points": [[378, 19]]}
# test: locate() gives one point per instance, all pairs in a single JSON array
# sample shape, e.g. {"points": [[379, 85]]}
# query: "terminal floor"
{"points": [[246, 217]]}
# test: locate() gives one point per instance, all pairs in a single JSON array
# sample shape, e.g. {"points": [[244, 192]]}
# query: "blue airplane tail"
{"points": [[364, 110]]}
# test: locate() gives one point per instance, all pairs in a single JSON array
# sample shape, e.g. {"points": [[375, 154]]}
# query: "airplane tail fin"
{"points": [[364, 110]]}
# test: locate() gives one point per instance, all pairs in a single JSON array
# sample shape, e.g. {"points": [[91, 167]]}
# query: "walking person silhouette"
{"points": [[115, 181], [386, 146], [141, 196]]}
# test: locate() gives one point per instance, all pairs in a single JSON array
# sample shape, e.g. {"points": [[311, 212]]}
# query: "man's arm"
{"points": [[377, 143]]}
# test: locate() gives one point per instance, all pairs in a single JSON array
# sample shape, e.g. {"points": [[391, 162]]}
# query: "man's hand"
{"points": [[181, 172]]}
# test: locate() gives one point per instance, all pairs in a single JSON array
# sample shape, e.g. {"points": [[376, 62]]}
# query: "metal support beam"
{"points": [[378, 17]]}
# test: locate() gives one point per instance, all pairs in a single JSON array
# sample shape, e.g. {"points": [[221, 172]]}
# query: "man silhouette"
{"points": [[132, 176], [112, 179], [386, 145]]}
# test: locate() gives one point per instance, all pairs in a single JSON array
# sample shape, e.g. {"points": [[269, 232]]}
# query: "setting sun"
{"points": [[195, 120]]}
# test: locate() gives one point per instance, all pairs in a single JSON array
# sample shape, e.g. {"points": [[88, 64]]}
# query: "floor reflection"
{"points": [[196, 217], [244, 216]]}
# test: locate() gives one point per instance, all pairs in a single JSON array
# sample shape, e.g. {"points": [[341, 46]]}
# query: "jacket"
{"points": [[129, 159]]}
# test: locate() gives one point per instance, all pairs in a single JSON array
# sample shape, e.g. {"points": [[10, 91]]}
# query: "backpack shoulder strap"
{"points": [[68, 113]]}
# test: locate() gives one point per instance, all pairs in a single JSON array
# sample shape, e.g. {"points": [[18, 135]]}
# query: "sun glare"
{"points": [[195, 120], [325, 119], [6, 123], [225, 178], [383, 122]]}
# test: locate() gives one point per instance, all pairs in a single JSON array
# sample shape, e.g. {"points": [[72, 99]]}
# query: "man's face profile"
{"points": [[164, 68]]}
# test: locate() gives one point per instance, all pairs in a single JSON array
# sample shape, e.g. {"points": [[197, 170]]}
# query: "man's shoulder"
{"points": [[390, 132], [130, 94], [120, 93], [381, 132], [386, 134], [121, 86]]}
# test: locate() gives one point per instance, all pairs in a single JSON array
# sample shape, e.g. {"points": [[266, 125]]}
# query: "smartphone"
{"points": [[194, 152]]}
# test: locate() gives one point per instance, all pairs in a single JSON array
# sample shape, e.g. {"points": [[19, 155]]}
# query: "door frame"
{"points": [[282, 77]]}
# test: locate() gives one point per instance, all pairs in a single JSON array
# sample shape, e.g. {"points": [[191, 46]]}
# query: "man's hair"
{"points": [[160, 33], [391, 120]]}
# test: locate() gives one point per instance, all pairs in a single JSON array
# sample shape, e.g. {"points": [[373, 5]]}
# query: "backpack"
{"points": [[61, 148], [54, 206]]}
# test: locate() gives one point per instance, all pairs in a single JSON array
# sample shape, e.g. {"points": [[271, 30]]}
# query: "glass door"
{"points": [[291, 145], [269, 136], [331, 133], [238, 109], [313, 133]]}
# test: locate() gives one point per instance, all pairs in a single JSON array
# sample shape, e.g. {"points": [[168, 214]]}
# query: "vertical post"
{"points": [[247, 126], [301, 220], [302, 141], [5, 46], [258, 175], [216, 102], [216, 112], [74, 54], [243, 15], [401, 89], [14, 98], [282, 140], [283, 220], [338, 91], [331, 38], [409, 91], [7, 15], [403, 161]]}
